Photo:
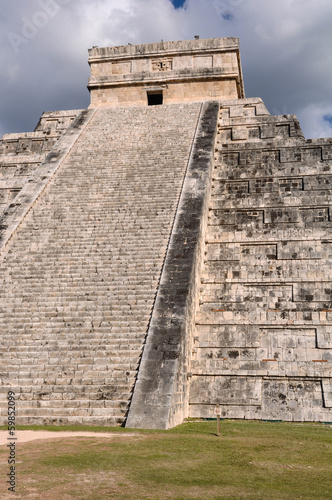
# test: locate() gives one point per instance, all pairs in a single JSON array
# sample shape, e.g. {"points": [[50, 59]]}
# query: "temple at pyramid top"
{"points": [[166, 72]]}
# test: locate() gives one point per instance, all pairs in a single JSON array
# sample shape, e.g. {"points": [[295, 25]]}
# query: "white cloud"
{"points": [[314, 117]]}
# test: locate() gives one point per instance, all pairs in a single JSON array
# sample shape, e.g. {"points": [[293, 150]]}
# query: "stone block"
{"points": [[327, 393], [290, 155], [225, 391]]}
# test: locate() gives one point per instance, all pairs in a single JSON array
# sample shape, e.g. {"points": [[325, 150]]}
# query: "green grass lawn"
{"points": [[250, 460]]}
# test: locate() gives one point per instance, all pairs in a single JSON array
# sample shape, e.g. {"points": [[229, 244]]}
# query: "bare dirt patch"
{"points": [[37, 480], [25, 436]]}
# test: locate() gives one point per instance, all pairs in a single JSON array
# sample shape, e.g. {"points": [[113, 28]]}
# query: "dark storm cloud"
{"points": [[285, 49]]}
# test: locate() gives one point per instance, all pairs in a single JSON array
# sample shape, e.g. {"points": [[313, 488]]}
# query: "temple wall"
{"points": [[197, 70], [263, 342]]}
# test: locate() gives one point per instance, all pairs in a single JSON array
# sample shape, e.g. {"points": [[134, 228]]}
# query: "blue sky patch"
{"points": [[328, 118], [178, 3]]}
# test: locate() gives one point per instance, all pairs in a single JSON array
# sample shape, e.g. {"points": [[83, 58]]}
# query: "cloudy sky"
{"points": [[286, 50]]}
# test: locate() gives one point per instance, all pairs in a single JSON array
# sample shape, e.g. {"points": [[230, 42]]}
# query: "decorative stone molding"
{"points": [[162, 65]]}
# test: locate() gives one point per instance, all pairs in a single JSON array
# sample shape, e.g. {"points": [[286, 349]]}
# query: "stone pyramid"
{"points": [[166, 250]]}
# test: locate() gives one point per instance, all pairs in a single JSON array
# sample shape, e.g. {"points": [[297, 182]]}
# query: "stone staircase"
{"points": [[263, 341], [80, 274]]}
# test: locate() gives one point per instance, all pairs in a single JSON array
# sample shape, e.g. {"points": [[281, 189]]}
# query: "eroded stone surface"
{"points": [[263, 346]]}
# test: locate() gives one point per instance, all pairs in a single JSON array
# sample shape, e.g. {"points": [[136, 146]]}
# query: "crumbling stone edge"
{"points": [[160, 398], [24, 201]]}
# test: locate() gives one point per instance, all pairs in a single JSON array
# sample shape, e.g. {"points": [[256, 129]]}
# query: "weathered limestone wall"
{"points": [[263, 343], [21, 154], [193, 70], [172, 93], [80, 272]]}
